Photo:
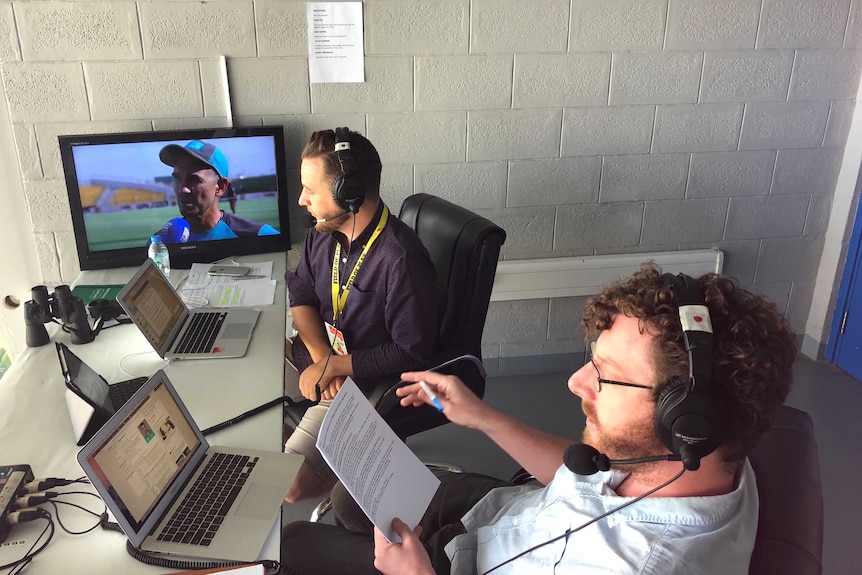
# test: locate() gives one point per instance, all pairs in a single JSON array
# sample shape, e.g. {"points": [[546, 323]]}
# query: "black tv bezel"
{"points": [[182, 255]]}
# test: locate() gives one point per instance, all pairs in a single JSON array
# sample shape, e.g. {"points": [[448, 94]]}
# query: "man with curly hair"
{"points": [[688, 521]]}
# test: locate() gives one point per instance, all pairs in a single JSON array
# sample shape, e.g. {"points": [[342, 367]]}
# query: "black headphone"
{"points": [[686, 419], [348, 189], [104, 309]]}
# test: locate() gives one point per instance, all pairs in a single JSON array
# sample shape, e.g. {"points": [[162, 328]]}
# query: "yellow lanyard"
{"points": [[338, 301]]}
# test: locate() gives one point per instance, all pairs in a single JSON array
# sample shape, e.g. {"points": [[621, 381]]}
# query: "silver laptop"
{"points": [[177, 332], [150, 460]]}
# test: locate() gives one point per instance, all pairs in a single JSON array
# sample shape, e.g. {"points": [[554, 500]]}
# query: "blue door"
{"points": [[845, 341]]}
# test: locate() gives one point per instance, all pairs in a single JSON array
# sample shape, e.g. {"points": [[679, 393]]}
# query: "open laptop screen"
{"points": [[146, 452], [153, 304]]}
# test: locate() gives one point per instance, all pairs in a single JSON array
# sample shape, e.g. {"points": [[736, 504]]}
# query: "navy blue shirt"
{"points": [[390, 318]]}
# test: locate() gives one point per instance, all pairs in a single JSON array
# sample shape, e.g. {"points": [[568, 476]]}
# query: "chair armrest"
{"points": [[406, 421], [383, 395]]}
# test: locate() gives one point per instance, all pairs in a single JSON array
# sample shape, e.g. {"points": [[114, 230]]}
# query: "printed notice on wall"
{"points": [[335, 42]]}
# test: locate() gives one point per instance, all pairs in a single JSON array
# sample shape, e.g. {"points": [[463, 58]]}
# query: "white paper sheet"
{"points": [[385, 478], [255, 289], [335, 42]]}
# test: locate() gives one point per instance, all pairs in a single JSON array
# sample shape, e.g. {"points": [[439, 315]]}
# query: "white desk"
{"points": [[35, 428]]}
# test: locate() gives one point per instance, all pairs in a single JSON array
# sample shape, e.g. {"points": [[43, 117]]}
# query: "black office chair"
{"points": [[465, 248], [790, 527]]}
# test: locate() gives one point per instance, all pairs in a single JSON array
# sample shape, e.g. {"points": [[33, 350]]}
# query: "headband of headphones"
{"points": [[348, 189], [696, 329], [343, 152]]}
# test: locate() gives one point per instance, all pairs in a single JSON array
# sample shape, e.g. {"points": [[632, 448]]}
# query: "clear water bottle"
{"points": [[158, 252]]}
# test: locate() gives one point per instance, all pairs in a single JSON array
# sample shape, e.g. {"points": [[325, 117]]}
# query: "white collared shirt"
{"points": [[656, 535]]}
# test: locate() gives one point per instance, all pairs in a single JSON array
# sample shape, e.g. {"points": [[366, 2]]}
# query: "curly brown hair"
{"points": [[753, 347], [322, 144]]}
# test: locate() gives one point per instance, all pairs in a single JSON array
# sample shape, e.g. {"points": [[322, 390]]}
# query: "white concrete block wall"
{"points": [[806, 171], [584, 127], [607, 130], [514, 26], [281, 29], [712, 24], [747, 76], [68, 31], [644, 177], [121, 90], [658, 78], [697, 128], [10, 50], [426, 26], [729, 174], [561, 80], [782, 126], [747, 217], [559, 181], [388, 87], [172, 30], [838, 124]]}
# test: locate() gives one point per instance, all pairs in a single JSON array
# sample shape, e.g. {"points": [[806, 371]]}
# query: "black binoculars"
{"points": [[59, 305]]}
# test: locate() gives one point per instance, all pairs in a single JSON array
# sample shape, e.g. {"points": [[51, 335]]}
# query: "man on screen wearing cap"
{"points": [[200, 179]]}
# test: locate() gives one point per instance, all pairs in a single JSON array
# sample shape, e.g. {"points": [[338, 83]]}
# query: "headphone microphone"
{"points": [[585, 459], [324, 220]]}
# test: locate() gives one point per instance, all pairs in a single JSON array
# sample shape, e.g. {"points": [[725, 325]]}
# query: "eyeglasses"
{"points": [[600, 380]]}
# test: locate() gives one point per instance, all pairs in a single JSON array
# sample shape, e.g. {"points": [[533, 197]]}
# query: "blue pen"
{"points": [[432, 396]]}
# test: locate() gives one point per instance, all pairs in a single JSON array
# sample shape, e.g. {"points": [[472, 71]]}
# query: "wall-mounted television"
{"points": [[121, 193]]}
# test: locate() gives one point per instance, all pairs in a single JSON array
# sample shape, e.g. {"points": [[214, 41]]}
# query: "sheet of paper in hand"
{"points": [[385, 478]]}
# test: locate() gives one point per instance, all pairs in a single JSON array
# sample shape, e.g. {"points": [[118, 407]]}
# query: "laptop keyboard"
{"points": [[201, 332], [203, 509], [121, 392]]}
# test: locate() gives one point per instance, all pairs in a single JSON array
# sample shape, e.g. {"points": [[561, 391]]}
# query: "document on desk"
{"points": [[257, 288], [385, 478]]}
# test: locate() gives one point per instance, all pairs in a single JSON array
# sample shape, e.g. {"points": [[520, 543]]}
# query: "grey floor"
{"points": [[831, 397]]}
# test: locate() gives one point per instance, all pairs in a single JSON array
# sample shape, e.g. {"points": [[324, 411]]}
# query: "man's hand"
{"points": [[406, 558], [310, 377], [460, 405], [334, 387]]}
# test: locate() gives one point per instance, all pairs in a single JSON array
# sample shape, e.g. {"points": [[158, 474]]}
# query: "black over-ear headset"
{"points": [[104, 309], [348, 189], [687, 420]]}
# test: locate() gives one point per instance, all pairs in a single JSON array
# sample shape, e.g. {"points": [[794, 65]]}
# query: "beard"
{"points": [[635, 439], [330, 226]]}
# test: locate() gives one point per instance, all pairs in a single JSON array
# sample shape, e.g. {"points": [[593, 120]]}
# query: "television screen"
{"points": [[224, 193]]}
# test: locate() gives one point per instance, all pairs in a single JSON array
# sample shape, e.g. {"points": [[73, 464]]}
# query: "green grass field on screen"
{"points": [[129, 229]]}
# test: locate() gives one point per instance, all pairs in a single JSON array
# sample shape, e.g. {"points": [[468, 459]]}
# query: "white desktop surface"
{"points": [[35, 427]]}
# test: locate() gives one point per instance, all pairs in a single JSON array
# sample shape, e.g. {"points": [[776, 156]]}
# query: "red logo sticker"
{"points": [[698, 319]]}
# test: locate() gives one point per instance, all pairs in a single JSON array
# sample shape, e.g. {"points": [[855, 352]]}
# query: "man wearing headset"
{"points": [[700, 506], [362, 297]]}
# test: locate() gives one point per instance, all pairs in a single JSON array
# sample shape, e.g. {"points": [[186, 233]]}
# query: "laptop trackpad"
{"points": [[258, 501], [237, 330]]}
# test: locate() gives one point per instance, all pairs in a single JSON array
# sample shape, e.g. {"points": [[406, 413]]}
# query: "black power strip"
{"points": [[12, 478]]}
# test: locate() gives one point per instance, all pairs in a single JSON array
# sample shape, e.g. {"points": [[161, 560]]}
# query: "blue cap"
{"points": [[203, 151]]}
